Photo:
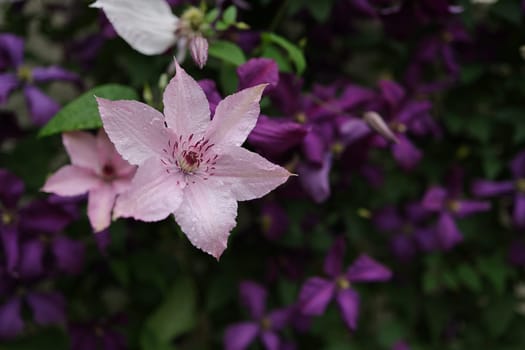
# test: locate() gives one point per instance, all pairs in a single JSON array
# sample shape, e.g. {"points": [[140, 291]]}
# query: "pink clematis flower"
{"points": [[189, 165], [96, 168]]}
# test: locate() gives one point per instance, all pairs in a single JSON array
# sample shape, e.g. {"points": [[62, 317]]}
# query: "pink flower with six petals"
{"points": [[189, 165], [96, 168]]}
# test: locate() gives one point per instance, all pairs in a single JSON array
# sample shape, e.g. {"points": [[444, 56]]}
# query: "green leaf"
{"points": [[230, 15], [495, 270], [468, 276], [82, 113], [212, 15], [175, 316], [319, 9], [227, 52], [295, 54], [498, 315], [270, 51]]}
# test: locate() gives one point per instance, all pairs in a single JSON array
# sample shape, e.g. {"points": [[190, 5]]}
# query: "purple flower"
{"points": [[515, 187], [410, 233], [263, 325], [258, 71], [446, 201], [317, 292], [274, 220], [41, 107], [98, 335]]}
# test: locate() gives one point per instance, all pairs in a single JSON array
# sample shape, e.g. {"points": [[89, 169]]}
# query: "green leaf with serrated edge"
{"points": [[294, 52], [227, 52], [82, 113]]}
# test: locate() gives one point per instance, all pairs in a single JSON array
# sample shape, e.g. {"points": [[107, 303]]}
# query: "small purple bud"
{"points": [[376, 122], [199, 50]]}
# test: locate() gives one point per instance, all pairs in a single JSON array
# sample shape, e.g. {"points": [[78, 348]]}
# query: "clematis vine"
{"points": [[151, 28], [317, 292], [95, 168], [189, 165]]}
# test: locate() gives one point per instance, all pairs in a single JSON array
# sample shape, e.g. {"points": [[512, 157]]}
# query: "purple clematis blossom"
{"points": [[317, 292], [98, 335], [263, 325], [41, 107], [47, 216], [96, 168], [410, 234], [189, 165], [448, 204], [515, 187]]}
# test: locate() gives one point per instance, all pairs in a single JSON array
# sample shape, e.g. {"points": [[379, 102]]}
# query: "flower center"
{"points": [[7, 218], [520, 185], [342, 282], [24, 73], [453, 206], [108, 172], [407, 229], [266, 324], [266, 222], [300, 117], [190, 156], [398, 127]]}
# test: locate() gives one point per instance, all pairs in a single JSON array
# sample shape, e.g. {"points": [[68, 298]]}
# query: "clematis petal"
{"points": [[388, 219], [392, 92], [207, 215], [258, 71], [469, 207], [253, 297], [276, 136], [11, 189], [240, 335], [348, 301], [315, 295], [53, 73], [366, 269], [448, 234], [108, 155], [31, 262], [153, 194], [487, 188], [136, 129], [9, 236], [314, 148], [8, 82], [315, 180], [41, 106], [71, 180], [333, 262], [185, 105], [69, 254], [147, 26], [11, 322], [100, 203], [517, 166], [235, 117], [247, 174], [407, 155], [270, 341], [13, 47], [82, 149], [518, 214], [48, 308], [434, 199]]}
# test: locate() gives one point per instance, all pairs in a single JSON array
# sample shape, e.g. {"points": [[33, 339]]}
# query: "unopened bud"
{"points": [[377, 123], [199, 50]]}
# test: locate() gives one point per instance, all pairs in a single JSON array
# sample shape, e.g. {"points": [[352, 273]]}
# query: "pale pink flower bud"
{"points": [[376, 122], [199, 50]]}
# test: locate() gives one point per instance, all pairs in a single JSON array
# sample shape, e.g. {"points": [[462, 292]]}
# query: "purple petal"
{"points": [[9, 235], [11, 189], [41, 107], [270, 341], [11, 322], [240, 335], [353, 130], [69, 254], [426, 239], [333, 263], [279, 318], [487, 188], [48, 308], [415, 212], [276, 136], [348, 302], [366, 269], [103, 240], [314, 148], [403, 247], [447, 232], [414, 110], [315, 295], [315, 180], [8, 83], [392, 92], [211, 92], [53, 73], [12, 47], [253, 298], [43, 216], [354, 95], [287, 94], [518, 214], [469, 207], [407, 155], [434, 199], [31, 262], [388, 219], [517, 166], [258, 71]]}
